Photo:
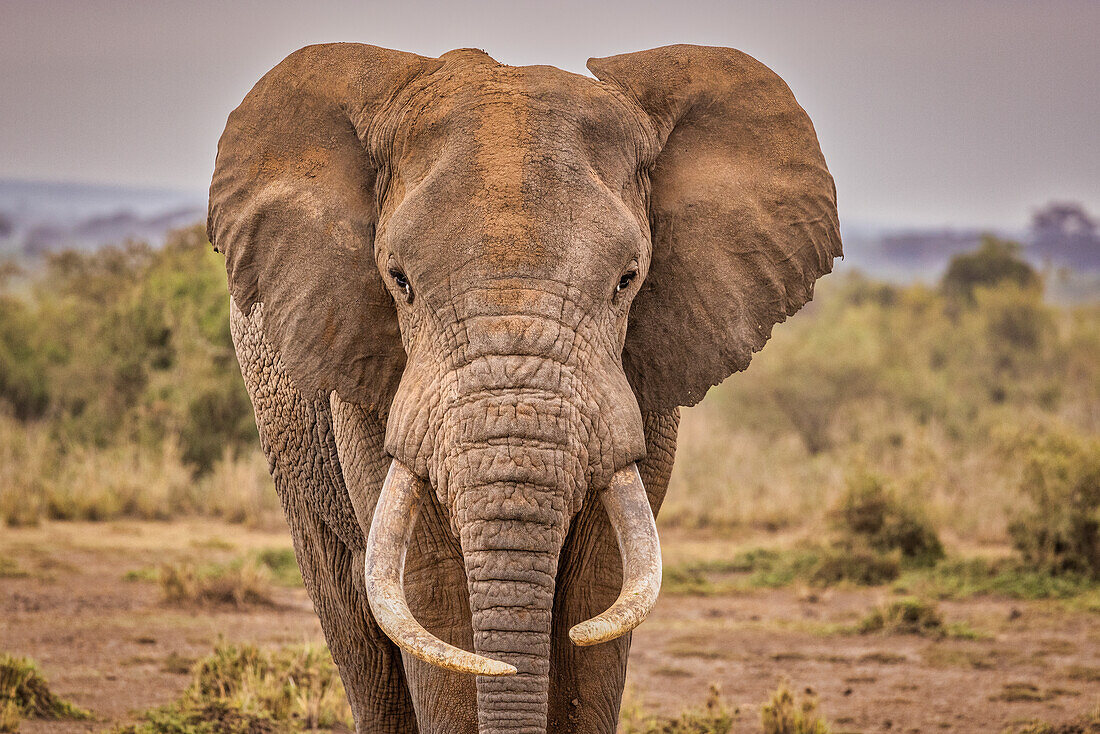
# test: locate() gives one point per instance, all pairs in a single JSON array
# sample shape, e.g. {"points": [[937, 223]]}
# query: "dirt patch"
{"points": [[116, 648]]}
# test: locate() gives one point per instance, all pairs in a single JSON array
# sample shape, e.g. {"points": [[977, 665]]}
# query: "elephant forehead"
{"points": [[516, 170], [507, 121]]}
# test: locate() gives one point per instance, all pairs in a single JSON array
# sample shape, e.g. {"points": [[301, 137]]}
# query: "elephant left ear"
{"points": [[742, 215]]}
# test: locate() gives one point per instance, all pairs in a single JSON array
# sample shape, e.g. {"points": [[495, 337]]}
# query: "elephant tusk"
{"points": [[628, 508], [390, 531]]}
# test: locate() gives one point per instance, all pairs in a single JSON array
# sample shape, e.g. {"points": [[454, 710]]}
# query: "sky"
{"points": [[930, 112]]}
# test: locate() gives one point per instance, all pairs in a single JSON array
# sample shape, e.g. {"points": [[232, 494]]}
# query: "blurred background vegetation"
{"points": [[975, 403], [120, 394]]}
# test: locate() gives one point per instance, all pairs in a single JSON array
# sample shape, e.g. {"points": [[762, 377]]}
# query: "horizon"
{"points": [[970, 115]]}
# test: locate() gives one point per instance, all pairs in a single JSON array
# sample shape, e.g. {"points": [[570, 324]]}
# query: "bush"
{"points": [[1060, 534], [855, 565], [240, 689], [128, 345], [785, 715], [283, 565], [909, 616], [870, 515], [24, 693], [995, 262]]}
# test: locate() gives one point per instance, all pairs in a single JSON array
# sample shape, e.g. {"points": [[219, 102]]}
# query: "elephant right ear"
{"points": [[294, 205], [742, 216]]}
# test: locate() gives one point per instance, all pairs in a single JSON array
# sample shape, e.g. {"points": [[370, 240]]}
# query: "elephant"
{"points": [[468, 301]]}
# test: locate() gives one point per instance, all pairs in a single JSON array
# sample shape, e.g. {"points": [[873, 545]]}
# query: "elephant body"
{"points": [[468, 300]]}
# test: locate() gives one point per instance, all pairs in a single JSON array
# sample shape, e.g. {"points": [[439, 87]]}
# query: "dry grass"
{"points": [[238, 585], [43, 480], [785, 714], [727, 477], [24, 693], [246, 690], [1089, 723], [715, 717]]}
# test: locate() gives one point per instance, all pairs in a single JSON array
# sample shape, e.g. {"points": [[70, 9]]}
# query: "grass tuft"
{"points": [[25, 693], [238, 585], [10, 569], [241, 689], [714, 718], [783, 714], [909, 616]]}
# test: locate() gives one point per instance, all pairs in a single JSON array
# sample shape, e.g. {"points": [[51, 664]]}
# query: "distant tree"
{"points": [[6, 227], [997, 261], [1063, 231], [1063, 219]]}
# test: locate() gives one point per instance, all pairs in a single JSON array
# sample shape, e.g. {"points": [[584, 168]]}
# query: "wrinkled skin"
{"points": [[507, 279]]}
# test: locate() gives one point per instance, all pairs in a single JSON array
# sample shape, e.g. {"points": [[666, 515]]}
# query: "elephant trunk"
{"points": [[511, 566], [514, 487]]}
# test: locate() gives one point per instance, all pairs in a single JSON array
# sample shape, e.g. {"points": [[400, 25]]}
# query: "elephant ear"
{"points": [[293, 206], [742, 216]]}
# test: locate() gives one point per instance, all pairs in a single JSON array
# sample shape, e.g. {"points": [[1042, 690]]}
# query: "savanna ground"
{"points": [[894, 514]]}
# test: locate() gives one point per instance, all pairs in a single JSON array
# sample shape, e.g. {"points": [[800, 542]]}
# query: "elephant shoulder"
{"points": [[296, 432]]}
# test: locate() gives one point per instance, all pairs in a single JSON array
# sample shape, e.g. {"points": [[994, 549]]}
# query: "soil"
{"points": [[114, 647]]}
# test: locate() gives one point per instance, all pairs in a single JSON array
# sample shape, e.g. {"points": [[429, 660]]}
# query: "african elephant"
{"points": [[468, 300]]}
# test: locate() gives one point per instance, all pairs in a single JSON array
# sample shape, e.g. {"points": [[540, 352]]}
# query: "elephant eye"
{"points": [[403, 283], [626, 280]]}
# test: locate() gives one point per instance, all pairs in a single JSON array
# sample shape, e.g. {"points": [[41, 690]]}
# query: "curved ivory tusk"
{"points": [[390, 531], [631, 518]]}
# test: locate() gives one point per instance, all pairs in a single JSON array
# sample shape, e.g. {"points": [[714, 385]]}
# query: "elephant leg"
{"points": [[369, 664], [297, 435], [587, 682]]}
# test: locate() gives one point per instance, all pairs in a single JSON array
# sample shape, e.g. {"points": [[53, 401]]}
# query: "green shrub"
{"points": [[786, 715], [241, 689], [282, 564], [23, 385], [909, 616], [128, 344], [856, 565], [24, 693], [870, 515], [1060, 533], [995, 262], [212, 717]]}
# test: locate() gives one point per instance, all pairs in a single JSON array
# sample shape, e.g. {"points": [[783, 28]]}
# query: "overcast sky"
{"points": [[928, 112]]}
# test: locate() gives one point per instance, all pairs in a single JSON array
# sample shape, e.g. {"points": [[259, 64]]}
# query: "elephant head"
{"points": [[511, 265]]}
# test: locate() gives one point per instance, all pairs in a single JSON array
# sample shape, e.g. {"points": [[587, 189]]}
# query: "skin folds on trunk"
{"points": [[510, 513]]}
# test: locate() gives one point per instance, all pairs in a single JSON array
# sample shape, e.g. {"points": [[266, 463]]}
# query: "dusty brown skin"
{"points": [[506, 280]]}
